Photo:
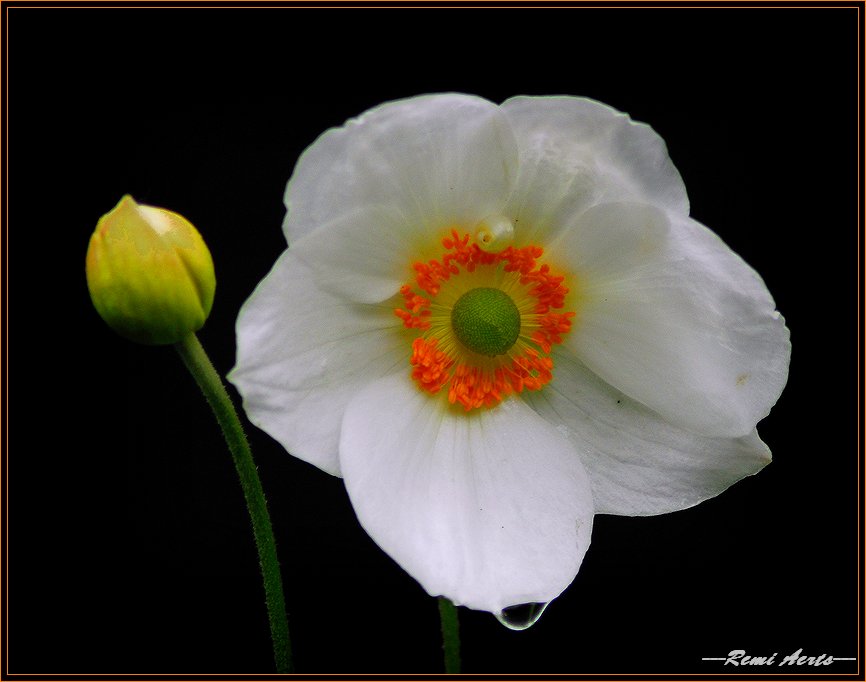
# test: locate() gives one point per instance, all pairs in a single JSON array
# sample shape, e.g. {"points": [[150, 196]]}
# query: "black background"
{"points": [[128, 544]]}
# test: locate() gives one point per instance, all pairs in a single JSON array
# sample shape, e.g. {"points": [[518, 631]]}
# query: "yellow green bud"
{"points": [[150, 274]]}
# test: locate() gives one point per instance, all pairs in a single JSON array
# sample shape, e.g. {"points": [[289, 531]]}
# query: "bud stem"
{"points": [[197, 362], [450, 635]]}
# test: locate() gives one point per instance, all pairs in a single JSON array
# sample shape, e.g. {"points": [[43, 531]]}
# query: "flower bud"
{"points": [[150, 274]]}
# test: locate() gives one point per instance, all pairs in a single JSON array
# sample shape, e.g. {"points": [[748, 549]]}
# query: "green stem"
{"points": [[199, 365], [450, 635]]}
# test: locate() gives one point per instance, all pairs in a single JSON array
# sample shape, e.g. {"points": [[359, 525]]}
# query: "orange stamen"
{"points": [[487, 382]]}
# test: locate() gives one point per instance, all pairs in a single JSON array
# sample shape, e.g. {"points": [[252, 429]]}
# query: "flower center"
{"points": [[486, 321]]}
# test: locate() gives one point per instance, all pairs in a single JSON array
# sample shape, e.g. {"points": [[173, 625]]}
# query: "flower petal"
{"points": [[490, 508], [302, 353], [670, 316], [574, 153], [638, 463], [441, 160], [365, 255]]}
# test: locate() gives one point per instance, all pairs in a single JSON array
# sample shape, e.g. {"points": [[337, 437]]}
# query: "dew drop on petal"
{"points": [[521, 616], [495, 233]]}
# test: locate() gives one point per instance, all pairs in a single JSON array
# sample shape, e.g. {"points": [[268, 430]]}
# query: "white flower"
{"points": [[496, 321]]}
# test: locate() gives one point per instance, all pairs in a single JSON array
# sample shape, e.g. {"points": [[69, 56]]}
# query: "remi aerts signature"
{"points": [[741, 657]]}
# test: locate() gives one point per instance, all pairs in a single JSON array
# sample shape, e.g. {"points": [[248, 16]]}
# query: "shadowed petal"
{"points": [[303, 353], [440, 160], [575, 153], [639, 463], [673, 318]]}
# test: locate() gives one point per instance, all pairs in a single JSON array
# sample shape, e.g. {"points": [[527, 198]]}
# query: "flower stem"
{"points": [[197, 362], [450, 635]]}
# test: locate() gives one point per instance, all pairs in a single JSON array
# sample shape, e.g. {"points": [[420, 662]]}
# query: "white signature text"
{"points": [[740, 657]]}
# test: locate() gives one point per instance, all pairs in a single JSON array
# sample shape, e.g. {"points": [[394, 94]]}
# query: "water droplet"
{"points": [[521, 616], [495, 233]]}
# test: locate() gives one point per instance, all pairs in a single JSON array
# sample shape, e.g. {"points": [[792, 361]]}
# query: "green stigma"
{"points": [[486, 321]]}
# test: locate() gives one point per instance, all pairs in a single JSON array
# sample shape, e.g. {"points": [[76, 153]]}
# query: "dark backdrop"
{"points": [[129, 549]]}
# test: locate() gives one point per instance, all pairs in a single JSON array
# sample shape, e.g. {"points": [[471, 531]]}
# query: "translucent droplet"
{"points": [[495, 233], [521, 616]]}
